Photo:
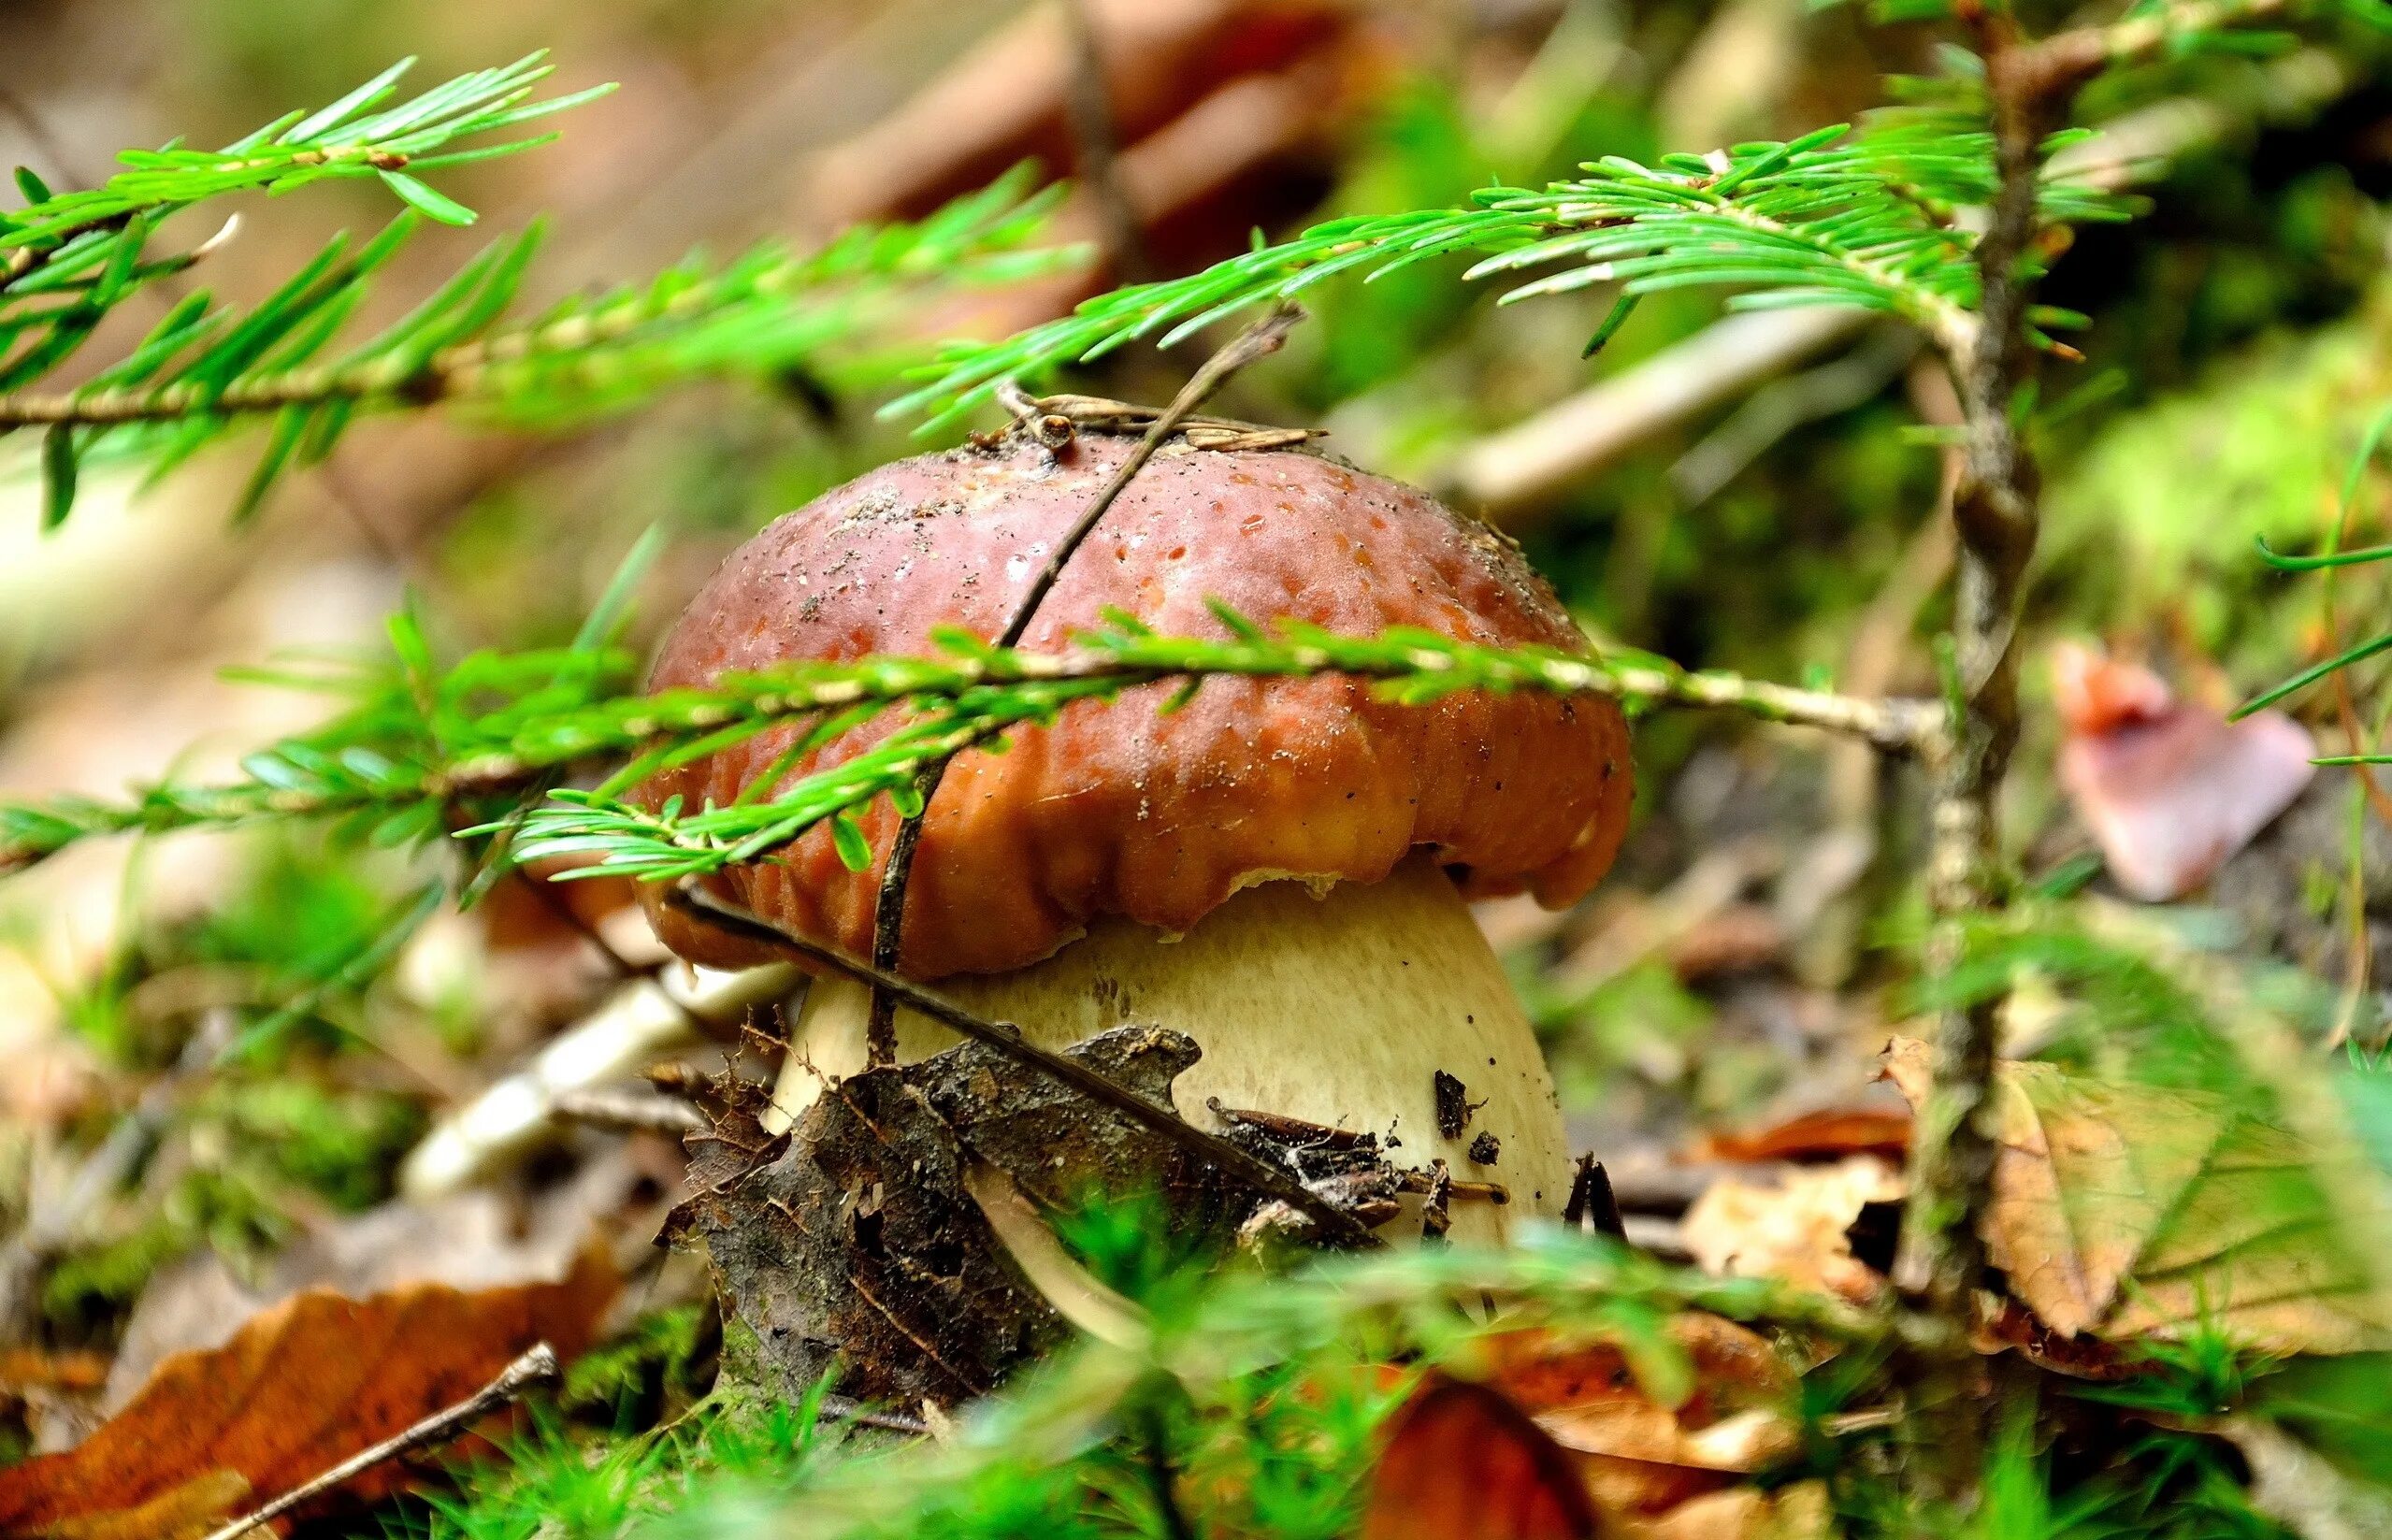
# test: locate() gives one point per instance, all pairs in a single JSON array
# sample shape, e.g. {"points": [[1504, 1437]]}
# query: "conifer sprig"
{"points": [[206, 370], [415, 743], [67, 257], [345, 140], [1865, 216]]}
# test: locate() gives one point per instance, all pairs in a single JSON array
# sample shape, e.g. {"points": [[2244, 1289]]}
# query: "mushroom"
{"points": [[1278, 869]]}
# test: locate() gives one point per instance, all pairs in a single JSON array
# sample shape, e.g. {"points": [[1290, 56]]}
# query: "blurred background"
{"points": [[1763, 497]]}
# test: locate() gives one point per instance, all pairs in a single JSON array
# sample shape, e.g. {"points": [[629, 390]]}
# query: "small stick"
{"points": [[1090, 106], [837, 1408], [1257, 341], [1286, 1130], [1443, 1181], [630, 1111], [1253, 1171], [536, 1367]]}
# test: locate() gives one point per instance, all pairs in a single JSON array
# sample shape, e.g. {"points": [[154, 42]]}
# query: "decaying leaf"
{"points": [[2123, 1211], [1656, 1457], [475, 1241], [1463, 1462], [1797, 1229], [297, 1390], [851, 1240], [1828, 1135], [1645, 1446]]}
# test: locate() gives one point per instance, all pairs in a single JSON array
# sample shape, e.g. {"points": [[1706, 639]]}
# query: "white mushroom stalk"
{"points": [[1341, 1010]]}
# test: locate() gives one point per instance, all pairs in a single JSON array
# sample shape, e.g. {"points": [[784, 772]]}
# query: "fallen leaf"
{"points": [[297, 1390], [2169, 789], [35, 1369], [1828, 1135], [1661, 1456], [1642, 1445], [2125, 1211], [475, 1241], [1796, 1229], [1463, 1462]]}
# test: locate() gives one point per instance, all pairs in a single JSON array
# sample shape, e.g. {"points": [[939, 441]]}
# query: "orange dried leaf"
{"points": [[1643, 1449], [297, 1390], [1467, 1461], [1461, 1462], [1828, 1135]]}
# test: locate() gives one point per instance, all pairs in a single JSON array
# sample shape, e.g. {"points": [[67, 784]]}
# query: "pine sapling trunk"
{"points": [[1995, 514]]}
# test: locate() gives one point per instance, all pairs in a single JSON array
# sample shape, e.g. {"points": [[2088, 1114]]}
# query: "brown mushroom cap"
{"points": [[1117, 809]]}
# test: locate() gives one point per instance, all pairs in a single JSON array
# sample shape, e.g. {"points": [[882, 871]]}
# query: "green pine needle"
{"points": [[1864, 216]]}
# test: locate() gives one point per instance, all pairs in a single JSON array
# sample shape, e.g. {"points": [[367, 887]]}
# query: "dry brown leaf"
{"points": [[1637, 1456], [1463, 1462], [1796, 1229], [1472, 1459], [37, 1369], [298, 1389], [2125, 1211], [1828, 1135], [475, 1241]]}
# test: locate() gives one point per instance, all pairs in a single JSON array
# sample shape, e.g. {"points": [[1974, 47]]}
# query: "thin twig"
{"points": [[630, 1111], [536, 1367], [1090, 105], [1259, 340], [836, 1408], [1251, 1170]]}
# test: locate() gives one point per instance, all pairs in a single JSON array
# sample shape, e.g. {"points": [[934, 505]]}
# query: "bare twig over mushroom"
{"points": [[1259, 340]]}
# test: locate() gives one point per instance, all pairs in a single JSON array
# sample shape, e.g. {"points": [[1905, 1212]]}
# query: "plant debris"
{"points": [[905, 1288], [297, 1390]]}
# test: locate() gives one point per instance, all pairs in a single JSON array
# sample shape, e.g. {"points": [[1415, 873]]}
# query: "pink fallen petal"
{"points": [[2097, 692], [2170, 796]]}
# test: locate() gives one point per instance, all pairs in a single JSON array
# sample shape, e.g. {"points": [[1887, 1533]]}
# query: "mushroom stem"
{"points": [[1340, 1011]]}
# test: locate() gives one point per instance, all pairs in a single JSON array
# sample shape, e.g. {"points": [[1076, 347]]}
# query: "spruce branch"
{"points": [[484, 735], [1858, 216], [345, 140], [206, 370], [67, 259]]}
